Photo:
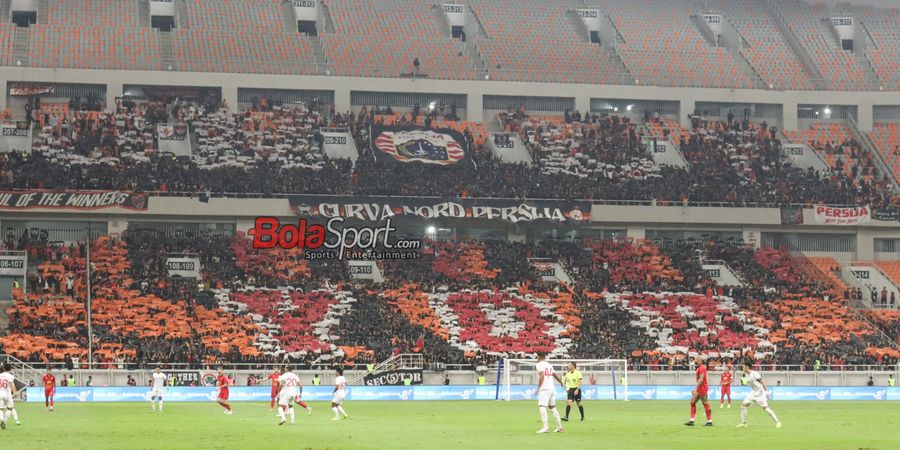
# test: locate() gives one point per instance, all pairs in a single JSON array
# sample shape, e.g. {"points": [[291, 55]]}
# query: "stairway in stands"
{"points": [[166, 50], [144, 13], [289, 17], [20, 50], [4, 318], [42, 14], [4, 8], [181, 14]]}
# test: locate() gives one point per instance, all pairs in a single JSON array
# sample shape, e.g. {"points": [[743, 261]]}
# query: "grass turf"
{"points": [[449, 424]]}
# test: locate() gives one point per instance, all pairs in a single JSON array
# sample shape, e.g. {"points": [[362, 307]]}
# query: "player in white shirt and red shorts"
{"points": [[546, 393]]}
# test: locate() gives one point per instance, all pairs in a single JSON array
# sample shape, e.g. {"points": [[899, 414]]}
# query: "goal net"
{"points": [[602, 379]]}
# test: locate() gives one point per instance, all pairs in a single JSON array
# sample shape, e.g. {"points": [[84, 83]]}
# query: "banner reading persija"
{"points": [[377, 209], [843, 216], [443, 147]]}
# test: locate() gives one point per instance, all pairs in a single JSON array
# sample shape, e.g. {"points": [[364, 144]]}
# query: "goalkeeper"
{"points": [[572, 381]]}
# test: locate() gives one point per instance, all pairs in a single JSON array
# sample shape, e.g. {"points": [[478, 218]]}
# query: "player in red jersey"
{"points": [[275, 388], [701, 393], [222, 382], [49, 389], [725, 382]]}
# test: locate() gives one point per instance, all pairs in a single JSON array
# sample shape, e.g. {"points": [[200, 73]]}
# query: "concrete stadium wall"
{"points": [[475, 90]]}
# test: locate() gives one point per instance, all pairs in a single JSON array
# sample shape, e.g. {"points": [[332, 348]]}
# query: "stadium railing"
{"points": [[689, 203], [187, 377]]}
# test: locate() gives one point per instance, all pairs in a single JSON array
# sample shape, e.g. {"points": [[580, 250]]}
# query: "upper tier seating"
{"points": [[107, 47], [7, 44], [667, 49], [93, 34], [382, 38], [840, 69], [884, 50], [767, 50], [657, 42], [555, 50], [227, 51]]}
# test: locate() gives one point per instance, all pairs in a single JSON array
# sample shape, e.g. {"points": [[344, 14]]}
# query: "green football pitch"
{"points": [[450, 425]]}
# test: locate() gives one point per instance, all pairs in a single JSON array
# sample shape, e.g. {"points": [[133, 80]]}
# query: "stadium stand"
{"points": [[840, 69], [667, 49], [464, 301], [7, 43], [381, 39], [451, 319], [594, 157], [241, 37], [828, 271], [767, 50], [891, 269], [129, 325], [93, 35], [664, 48], [213, 50], [556, 53], [801, 317], [834, 143], [886, 138], [883, 51]]}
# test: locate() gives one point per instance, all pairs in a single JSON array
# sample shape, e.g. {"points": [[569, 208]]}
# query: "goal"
{"points": [[601, 378]]}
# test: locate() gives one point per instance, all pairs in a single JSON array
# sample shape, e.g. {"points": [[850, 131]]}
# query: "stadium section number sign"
{"points": [[12, 265], [842, 21], [20, 132], [360, 269], [861, 274], [183, 267], [334, 140]]}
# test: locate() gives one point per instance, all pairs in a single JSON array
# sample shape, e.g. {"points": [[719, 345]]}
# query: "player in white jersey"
{"points": [[337, 398], [289, 382], [546, 392], [156, 389], [758, 393], [7, 391]]}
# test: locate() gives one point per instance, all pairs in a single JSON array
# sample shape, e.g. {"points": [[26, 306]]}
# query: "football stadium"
{"points": [[407, 224]]}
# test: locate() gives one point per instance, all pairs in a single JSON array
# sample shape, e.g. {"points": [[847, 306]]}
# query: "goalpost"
{"points": [[608, 373]]}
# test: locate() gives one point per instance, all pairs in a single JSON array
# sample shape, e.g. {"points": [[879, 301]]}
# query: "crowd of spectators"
{"points": [[276, 148], [796, 313]]}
